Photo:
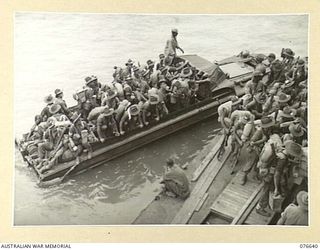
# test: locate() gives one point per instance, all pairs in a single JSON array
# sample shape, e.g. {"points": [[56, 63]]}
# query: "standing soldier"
{"points": [[224, 112], [172, 46]]}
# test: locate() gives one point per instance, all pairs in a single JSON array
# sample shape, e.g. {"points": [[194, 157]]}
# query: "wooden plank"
{"points": [[244, 192], [249, 209], [225, 209], [241, 190], [246, 205], [234, 197], [184, 214], [208, 158], [203, 199]]}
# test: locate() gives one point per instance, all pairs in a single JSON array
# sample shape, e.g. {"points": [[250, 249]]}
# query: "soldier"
{"points": [[175, 181], [225, 110], [254, 86], [127, 71], [172, 45], [256, 105], [151, 110], [111, 100], [296, 214], [45, 113], [131, 119], [106, 125], [59, 100], [51, 136], [79, 132]]}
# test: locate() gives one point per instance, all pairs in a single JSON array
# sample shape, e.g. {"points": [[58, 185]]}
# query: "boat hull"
{"points": [[108, 152]]}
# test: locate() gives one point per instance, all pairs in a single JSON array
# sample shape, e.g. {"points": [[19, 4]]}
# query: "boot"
{"points": [[89, 154], [243, 179], [77, 160], [263, 212]]}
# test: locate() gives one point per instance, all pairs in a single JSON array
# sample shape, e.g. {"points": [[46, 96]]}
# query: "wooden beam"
{"points": [[208, 158], [189, 206], [245, 211], [200, 203]]}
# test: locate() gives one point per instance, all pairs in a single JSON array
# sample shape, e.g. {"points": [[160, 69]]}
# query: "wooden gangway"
{"points": [[237, 202]]}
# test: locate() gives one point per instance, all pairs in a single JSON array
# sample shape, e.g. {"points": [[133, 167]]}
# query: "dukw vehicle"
{"points": [[225, 79]]}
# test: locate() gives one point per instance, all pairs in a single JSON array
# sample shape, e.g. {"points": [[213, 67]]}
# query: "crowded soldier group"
{"points": [[270, 123], [137, 96]]}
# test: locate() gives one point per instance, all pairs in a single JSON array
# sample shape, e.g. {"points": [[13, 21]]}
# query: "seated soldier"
{"points": [[184, 90], [151, 110], [51, 139], [180, 95], [277, 73], [296, 214], [66, 144], [136, 73], [256, 105], [127, 91], [111, 100], [59, 100], [79, 132], [45, 113], [131, 119], [161, 61], [284, 118], [204, 90], [117, 84], [94, 85], [57, 112], [267, 107], [143, 87], [119, 112], [36, 132], [175, 181], [127, 71], [297, 73], [163, 93], [296, 133], [150, 66], [106, 125], [86, 101], [254, 86]]}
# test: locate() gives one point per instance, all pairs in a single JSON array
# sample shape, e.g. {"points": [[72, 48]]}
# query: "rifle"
{"points": [[56, 181], [223, 145], [236, 156]]}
